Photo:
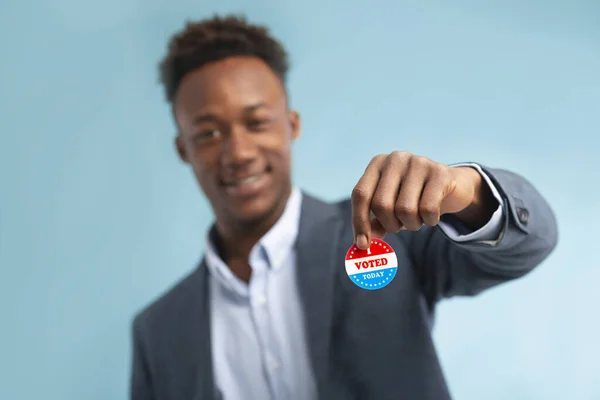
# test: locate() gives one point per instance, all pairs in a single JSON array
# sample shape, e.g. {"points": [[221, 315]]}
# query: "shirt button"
{"points": [[261, 300]]}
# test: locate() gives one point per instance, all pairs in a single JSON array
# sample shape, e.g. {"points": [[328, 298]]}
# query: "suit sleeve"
{"points": [[528, 234], [141, 384]]}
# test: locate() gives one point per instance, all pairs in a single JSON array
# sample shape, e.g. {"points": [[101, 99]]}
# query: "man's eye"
{"points": [[208, 134], [258, 124]]}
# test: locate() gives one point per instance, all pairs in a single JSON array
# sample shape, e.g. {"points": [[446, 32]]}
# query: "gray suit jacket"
{"points": [[373, 345]]}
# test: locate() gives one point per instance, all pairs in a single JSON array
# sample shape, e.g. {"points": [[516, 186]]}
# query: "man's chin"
{"points": [[252, 216], [255, 212]]}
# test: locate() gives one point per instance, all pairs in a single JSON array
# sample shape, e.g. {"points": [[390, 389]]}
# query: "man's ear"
{"points": [[181, 148], [294, 119]]}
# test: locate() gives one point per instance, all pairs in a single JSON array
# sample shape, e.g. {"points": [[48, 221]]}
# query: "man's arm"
{"points": [[429, 204], [140, 385], [453, 260]]}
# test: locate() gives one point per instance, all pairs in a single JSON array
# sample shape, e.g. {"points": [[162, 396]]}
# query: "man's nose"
{"points": [[239, 148]]}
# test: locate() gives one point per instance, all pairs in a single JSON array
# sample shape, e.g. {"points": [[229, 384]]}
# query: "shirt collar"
{"points": [[280, 239], [277, 243]]}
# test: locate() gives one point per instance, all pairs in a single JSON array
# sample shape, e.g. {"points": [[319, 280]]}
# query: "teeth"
{"points": [[249, 179]]}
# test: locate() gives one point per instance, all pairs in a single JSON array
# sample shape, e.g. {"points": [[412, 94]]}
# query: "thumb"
{"points": [[363, 240]]}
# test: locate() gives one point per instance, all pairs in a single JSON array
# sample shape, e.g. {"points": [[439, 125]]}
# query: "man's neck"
{"points": [[236, 239]]}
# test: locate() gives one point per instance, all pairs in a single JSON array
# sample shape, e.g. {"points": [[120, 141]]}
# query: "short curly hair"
{"points": [[215, 39]]}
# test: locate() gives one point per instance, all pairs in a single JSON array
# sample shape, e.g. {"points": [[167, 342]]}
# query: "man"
{"points": [[270, 312]]}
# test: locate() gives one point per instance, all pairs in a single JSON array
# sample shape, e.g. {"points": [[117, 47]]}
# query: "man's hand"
{"points": [[404, 191]]}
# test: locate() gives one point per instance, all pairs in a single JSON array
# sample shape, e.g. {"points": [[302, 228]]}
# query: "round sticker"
{"points": [[373, 268]]}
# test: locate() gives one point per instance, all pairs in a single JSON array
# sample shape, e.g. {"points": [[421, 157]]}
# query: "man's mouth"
{"points": [[245, 180], [248, 184]]}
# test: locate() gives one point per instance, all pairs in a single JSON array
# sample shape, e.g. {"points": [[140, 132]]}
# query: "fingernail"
{"points": [[361, 241]]}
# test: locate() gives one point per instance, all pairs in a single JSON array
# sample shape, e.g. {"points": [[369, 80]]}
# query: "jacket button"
{"points": [[523, 215]]}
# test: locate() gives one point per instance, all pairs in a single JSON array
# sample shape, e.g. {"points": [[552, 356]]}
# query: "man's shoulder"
{"points": [[172, 304]]}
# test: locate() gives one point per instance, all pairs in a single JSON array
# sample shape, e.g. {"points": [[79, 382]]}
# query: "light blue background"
{"points": [[97, 215]]}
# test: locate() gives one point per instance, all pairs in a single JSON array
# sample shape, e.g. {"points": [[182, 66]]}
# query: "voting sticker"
{"points": [[373, 268]]}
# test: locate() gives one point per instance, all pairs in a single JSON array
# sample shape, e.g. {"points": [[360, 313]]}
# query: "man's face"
{"points": [[235, 130]]}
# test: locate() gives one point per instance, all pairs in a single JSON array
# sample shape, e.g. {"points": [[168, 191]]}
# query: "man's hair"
{"points": [[215, 39]]}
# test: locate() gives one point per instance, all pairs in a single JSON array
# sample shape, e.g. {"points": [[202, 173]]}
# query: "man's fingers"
{"points": [[384, 199], [434, 193], [407, 203], [362, 194], [429, 206], [377, 230], [402, 191]]}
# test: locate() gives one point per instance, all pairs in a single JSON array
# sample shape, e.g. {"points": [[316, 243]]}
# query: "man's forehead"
{"points": [[229, 80]]}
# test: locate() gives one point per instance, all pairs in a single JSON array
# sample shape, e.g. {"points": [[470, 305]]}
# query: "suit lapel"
{"points": [[200, 332], [316, 249]]}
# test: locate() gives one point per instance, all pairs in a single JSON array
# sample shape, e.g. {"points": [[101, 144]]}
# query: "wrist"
{"points": [[483, 203]]}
